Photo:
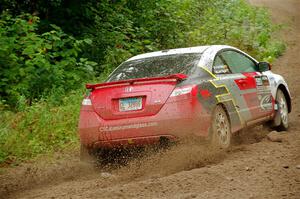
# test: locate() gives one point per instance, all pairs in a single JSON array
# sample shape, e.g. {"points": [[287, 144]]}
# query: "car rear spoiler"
{"points": [[176, 77]]}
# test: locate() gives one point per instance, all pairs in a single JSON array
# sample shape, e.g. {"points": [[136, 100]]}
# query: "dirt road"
{"points": [[253, 168]]}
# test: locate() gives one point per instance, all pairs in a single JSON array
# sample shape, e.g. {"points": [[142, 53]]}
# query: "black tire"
{"points": [[281, 119], [220, 128]]}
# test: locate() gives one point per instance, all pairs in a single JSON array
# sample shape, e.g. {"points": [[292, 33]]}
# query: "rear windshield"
{"points": [[156, 66]]}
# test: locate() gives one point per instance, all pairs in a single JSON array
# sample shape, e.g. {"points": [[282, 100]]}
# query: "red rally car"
{"points": [[210, 91]]}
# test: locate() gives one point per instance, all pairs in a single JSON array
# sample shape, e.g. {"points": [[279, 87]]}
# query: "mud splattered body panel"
{"points": [[175, 105]]}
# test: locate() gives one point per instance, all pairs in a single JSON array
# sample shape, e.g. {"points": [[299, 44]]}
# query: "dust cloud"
{"points": [[151, 162]]}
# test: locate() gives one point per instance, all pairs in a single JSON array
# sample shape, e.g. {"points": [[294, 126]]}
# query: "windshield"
{"points": [[156, 66]]}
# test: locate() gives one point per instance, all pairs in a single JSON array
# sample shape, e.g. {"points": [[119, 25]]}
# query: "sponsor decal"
{"points": [[262, 80], [262, 84], [265, 102], [129, 126], [258, 81]]}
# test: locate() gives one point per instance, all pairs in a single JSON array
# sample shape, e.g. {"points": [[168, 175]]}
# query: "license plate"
{"points": [[130, 104]]}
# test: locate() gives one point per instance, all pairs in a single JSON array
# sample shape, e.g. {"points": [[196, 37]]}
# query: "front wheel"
{"points": [[221, 130], [281, 119]]}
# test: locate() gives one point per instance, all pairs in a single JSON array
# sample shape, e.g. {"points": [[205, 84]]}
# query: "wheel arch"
{"points": [[286, 95], [223, 105]]}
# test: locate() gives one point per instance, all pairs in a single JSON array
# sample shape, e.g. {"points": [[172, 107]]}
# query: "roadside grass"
{"points": [[40, 128]]}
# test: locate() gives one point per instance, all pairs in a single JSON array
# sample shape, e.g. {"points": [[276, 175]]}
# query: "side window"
{"points": [[219, 67], [238, 62]]}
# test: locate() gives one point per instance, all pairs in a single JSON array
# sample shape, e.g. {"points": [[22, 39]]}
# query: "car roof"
{"points": [[196, 49]]}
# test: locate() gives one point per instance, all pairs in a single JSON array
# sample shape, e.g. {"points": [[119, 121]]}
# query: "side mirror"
{"points": [[263, 66]]}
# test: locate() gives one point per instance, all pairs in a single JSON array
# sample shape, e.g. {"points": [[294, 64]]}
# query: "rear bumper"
{"points": [[132, 142], [174, 120]]}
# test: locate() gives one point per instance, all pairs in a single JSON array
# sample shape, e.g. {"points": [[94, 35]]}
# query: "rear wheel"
{"points": [[221, 130], [281, 119]]}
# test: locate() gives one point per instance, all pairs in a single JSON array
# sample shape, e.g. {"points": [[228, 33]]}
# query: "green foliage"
{"points": [[120, 29], [32, 65], [39, 128], [72, 16], [238, 24], [126, 28]]}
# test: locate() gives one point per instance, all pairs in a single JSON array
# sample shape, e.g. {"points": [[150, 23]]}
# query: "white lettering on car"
{"points": [[130, 126]]}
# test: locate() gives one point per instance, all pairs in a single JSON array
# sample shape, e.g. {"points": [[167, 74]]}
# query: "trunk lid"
{"points": [[132, 98]]}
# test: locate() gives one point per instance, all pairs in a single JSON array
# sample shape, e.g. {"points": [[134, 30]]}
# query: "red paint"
{"points": [[253, 104], [273, 111], [205, 93], [194, 90], [174, 117], [105, 100], [248, 82], [176, 77]]}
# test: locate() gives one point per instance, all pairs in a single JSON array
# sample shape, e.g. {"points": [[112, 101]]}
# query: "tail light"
{"points": [[185, 90], [86, 102]]}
